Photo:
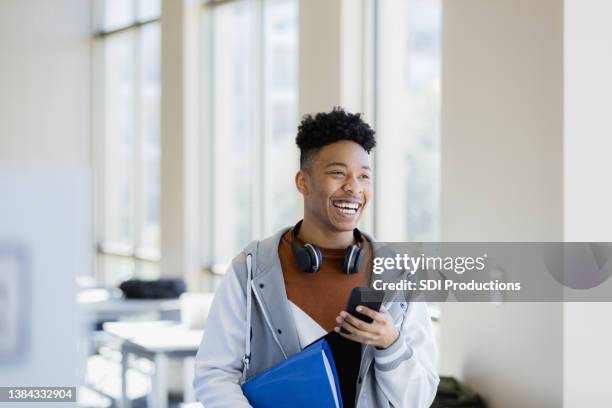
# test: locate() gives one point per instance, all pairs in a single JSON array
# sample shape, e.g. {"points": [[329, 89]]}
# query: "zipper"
{"points": [[369, 364], [362, 373], [365, 347], [267, 319]]}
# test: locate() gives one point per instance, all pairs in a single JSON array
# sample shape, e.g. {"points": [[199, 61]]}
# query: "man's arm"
{"points": [[406, 370], [218, 364]]}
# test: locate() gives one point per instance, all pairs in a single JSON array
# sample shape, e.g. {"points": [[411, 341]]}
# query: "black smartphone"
{"points": [[368, 297]]}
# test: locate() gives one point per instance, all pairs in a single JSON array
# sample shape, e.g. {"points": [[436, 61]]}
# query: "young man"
{"points": [[300, 281]]}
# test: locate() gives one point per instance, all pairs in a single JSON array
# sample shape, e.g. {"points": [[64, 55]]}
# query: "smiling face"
{"points": [[336, 185]]}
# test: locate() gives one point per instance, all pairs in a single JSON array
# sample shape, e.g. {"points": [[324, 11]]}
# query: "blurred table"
{"points": [[156, 341], [101, 305]]}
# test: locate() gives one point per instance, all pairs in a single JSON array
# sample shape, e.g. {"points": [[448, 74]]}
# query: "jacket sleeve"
{"points": [[218, 363], [406, 371]]}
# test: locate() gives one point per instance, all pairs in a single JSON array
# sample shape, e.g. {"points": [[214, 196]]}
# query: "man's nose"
{"points": [[354, 186]]}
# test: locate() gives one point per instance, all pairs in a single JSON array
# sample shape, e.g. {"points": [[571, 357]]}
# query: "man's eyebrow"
{"points": [[336, 164], [341, 164]]}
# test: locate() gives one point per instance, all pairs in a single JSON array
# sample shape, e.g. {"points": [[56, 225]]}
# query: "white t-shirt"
{"points": [[308, 329]]}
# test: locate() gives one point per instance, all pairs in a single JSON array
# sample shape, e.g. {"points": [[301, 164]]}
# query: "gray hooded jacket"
{"points": [[403, 375]]}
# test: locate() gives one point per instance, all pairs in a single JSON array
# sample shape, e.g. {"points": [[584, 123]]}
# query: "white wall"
{"points": [[45, 172], [588, 191], [502, 125], [502, 180], [45, 82]]}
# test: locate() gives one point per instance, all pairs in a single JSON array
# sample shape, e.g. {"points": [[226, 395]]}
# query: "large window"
{"points": [[408, 72], [250, 115], [127, 140]]}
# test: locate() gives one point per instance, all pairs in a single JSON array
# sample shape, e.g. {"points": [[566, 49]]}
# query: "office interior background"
{"points": [[153, 139]]}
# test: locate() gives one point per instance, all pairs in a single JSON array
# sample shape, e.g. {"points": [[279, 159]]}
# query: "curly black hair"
{"points": [[329, 127]]}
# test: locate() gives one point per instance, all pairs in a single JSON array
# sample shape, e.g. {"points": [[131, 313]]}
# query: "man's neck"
{"points": [[313, 233]]}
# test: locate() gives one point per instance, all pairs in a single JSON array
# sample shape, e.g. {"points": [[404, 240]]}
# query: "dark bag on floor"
{"points": [[153, 289], [452, 394]]}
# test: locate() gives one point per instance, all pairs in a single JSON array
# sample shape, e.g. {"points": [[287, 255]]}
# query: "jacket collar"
{"points": [[267, 253], [269, 285]]}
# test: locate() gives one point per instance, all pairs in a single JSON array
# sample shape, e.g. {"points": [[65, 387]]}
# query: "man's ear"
{"points": [[301, 182]]}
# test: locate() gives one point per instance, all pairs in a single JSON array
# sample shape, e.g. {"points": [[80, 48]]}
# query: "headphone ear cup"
{"points": [[359, 258], [302, 257], [316, 258], [352, 260]]}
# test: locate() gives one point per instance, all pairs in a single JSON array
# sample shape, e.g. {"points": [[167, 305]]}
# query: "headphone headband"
{"points": [[309, 257], [296, 230]]}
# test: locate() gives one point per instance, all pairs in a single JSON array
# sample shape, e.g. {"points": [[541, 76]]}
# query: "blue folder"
{"points": [[307, 379]]}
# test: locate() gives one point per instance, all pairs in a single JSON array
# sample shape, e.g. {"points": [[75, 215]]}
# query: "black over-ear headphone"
{"points": [[309, 257]]}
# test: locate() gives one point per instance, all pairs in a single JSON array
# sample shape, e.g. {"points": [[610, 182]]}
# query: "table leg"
{"points": [[125, 401], [158, 398], [188, 377]]}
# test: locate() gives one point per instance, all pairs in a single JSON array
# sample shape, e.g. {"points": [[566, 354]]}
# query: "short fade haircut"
{"points": [[329, 127]]}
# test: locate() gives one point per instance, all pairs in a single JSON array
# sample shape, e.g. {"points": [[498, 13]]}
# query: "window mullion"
{"points": [[261, 115], [135, 11], [138, 174], [99, 154], [375, 114], [258, 186], [207, 166]]}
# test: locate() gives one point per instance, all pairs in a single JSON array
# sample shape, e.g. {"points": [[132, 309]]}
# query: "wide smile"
{"points": [[347, 209]]}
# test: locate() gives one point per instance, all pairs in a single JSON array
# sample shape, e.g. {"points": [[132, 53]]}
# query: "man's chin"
{"points": [[344, 226], [340, 223]]}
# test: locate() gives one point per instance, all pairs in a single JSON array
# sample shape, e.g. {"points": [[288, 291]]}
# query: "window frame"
{"points": [[258, 155], [373, 103], [140, 255]]}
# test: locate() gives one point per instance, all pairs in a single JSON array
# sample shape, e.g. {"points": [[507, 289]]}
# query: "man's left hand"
{"points": [[380, 333]]}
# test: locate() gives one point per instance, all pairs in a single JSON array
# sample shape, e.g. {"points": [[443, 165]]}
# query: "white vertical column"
{"points": [[332, 55], [392, 108], [319, 55], [502, 180], [588, 191], [179, 139]]}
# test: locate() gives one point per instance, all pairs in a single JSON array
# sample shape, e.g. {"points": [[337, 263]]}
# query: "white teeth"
{"points": [[345, 204]]}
